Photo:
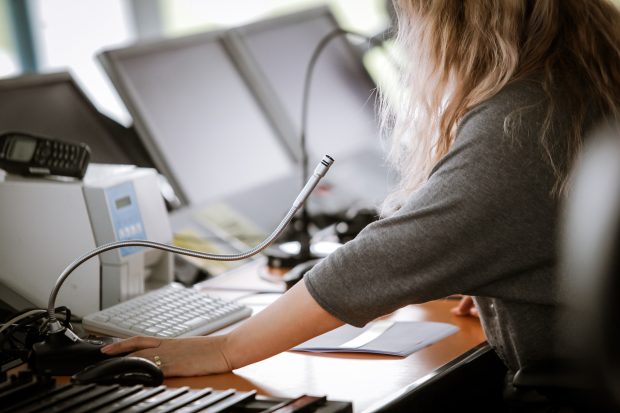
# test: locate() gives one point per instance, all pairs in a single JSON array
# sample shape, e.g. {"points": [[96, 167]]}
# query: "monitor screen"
{"points": [[342, 115], [52, 105], [197, 116]]}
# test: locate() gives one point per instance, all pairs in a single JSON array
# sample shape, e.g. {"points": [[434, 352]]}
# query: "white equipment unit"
{"points": [[46, 223]]}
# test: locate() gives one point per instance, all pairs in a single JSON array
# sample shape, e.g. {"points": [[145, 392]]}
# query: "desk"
{"points": [[367, 380]]}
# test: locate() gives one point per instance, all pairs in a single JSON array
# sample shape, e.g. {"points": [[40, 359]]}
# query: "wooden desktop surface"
{"points": [[366, 380]]}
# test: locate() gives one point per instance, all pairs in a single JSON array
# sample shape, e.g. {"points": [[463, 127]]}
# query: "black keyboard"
{"points": [[26, 393]]}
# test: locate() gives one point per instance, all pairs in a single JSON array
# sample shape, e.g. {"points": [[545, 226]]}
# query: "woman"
{"points": [[498, 97]]}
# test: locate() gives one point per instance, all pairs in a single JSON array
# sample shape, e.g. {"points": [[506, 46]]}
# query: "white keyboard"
{"points": [[171, 311]]}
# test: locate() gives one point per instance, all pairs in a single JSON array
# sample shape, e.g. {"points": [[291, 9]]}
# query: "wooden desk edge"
{"points": [[428, 380]]}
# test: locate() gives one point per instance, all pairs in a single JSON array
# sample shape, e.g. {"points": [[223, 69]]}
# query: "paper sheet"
{"points": [[400, 338], [193, 240], [229, 223]]}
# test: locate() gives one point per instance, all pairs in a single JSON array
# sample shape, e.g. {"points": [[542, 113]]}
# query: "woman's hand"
{"points": [[465, 308], [291, 319], [191, 356]]}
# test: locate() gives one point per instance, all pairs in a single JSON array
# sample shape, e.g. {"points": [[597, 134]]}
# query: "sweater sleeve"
{"points": [[481, 225]]}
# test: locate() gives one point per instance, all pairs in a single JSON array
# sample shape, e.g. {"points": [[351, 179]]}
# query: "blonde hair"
{"points": [[459, 53]]}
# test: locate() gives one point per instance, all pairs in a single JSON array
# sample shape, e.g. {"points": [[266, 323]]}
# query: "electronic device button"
{"points": [[44, 152], [125, 325], [41, 171]]}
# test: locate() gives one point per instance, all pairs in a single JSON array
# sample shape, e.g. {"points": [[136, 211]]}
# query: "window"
{"points": [[8, 59], [186, 16], [68, 34]]}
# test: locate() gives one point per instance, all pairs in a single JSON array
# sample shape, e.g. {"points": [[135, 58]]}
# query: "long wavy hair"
{"points": [[459, 53]]}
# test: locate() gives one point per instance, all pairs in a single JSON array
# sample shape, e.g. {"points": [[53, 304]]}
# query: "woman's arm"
{"points": [[292, 319]]}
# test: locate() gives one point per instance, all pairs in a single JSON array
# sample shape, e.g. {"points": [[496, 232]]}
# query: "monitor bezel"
{"points": [[259, 82], [109, 60]]}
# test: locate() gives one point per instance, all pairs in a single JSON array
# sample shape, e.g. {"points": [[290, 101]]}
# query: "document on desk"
{"points": [[190, 239], [396, 338], [228, 223]]}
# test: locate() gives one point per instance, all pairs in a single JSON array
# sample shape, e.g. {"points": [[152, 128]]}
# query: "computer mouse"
{"points": [[126, 371]]}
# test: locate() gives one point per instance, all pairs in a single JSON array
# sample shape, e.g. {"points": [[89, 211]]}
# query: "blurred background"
{"points": [[53, 35]]}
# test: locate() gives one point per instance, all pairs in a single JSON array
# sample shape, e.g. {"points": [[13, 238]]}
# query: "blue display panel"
{"points": [[125, 214]]}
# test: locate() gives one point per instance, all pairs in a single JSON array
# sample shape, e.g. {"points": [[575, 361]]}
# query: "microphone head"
{"points": [[323, 166]]}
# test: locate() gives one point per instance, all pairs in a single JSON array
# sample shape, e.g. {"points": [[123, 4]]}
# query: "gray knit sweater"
{"points": [[484, 224]]}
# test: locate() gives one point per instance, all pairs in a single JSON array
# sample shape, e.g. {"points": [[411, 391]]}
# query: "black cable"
{"points": [[18, 339]]}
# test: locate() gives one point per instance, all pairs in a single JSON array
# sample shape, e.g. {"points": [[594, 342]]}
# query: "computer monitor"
{"points": [[53, 105], [342, 114], [197, 116]]}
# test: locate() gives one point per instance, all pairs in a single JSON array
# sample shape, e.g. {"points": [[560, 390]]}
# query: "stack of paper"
{"points": [[380, 337]]}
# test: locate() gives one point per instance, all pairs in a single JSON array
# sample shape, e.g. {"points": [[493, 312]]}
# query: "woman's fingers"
{"points": [[130, 345], [474, 311], [464, 307]]}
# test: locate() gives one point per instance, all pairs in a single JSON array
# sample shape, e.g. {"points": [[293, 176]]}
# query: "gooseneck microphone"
{"points": [[319, 172], [302, 232]]}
